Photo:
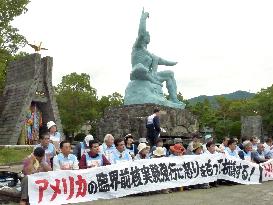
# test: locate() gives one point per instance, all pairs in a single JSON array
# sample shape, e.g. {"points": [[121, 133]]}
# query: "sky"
{"points": [[220, 46]]}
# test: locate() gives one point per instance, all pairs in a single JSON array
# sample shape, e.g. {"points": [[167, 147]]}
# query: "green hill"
{"points": [[231, 96]]}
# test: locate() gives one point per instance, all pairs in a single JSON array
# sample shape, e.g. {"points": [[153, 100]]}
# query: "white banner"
{"points": [[62, 187], [267, 170]]}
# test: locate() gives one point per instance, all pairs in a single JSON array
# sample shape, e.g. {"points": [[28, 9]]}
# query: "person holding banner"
{"points": [[245, 154], [210, 148], [34, 163], [120, 154], [258, 156], [93, 158], [143, 151], [65, 160], [108, 147], [231, 149]]}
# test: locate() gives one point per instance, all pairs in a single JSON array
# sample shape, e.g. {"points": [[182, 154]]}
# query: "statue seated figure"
{"points": [[145, 64]]}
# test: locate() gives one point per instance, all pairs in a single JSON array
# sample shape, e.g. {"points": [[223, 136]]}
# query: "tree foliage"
{"points": [[10, 39], [78, 102]]}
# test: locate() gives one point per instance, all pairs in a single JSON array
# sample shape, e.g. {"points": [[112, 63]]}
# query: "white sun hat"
{"points": [[50, 124]]}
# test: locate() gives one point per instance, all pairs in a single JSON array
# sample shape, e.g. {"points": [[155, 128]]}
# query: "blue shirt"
{"points": [[94, 161], [61, 162], [231, 153], [107, 151], [118, 157], [49, 150]]}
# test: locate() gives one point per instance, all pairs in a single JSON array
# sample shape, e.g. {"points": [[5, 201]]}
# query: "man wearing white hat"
{"points": [[82, 147], [55, 137]]}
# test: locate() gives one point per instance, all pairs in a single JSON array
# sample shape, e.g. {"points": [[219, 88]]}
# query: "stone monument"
{"points": [[146, 82], [144, 93], [29, 80], [251, 126]]}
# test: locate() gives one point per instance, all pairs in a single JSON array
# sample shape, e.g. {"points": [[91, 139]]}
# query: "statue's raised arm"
{"points": [[142, 32]]}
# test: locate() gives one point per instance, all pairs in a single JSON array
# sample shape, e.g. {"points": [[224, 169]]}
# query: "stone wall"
{"points": [[251, 126], [122, 120]]}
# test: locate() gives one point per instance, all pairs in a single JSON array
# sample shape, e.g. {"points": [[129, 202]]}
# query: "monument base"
{"points": [[120, 121], [143, 91]]}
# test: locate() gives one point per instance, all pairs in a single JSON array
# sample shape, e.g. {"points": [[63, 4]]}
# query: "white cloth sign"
{"points": [[73, 186], [267, 170]]}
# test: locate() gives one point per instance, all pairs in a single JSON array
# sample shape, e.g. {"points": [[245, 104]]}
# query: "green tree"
{"points": [[10, 39], [77, 101], [264, 107], [113, 100]]}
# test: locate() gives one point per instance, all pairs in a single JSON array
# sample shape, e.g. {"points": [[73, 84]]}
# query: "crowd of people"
{"points": [[55, 154]]}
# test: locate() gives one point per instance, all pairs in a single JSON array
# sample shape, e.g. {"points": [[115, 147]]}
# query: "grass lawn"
{"points": [[12, 155]]}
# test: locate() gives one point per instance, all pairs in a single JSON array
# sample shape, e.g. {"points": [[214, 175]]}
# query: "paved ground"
{"points": [[224, 195]]}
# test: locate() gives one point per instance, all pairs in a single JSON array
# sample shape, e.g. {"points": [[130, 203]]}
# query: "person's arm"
{"points": [[28, 165], [105, 161], [56, 165], [82, 163]]}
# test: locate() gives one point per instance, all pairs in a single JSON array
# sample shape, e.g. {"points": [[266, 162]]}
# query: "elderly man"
{"points": [[82, 147], [50, 150], [245, 154], [65, 160], [120, 154], [93, 158], [32, 164], [108, 147], [258, 156]]}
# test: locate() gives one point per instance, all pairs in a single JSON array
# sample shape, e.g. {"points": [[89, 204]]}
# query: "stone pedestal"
{"points": [[122, 120]]}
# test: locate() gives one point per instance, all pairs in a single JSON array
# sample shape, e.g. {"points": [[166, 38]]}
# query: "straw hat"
{"points": [[142, 146], [50, 124], [177, 148], [196, 146], [159, 152]]}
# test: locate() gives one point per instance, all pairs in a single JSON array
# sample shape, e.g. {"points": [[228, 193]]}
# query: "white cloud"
{"points": [[221, 46]]}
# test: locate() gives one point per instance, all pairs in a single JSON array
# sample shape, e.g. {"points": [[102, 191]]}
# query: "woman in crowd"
{"points": [[130, 146], [143, 151], [177, 150], [55, 137], [159, 143]]}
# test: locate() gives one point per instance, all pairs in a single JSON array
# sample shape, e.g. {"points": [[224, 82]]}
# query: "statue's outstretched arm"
{"points": [[162, 61]]}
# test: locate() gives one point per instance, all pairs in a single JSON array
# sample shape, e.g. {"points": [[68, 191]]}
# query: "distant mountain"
{"points": [[231, 96]]}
